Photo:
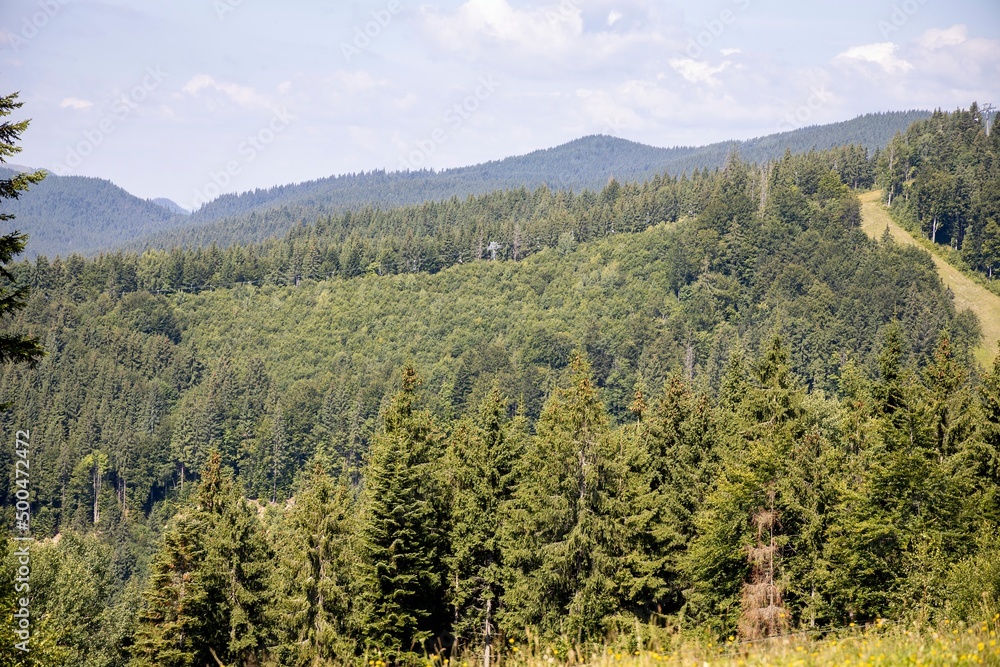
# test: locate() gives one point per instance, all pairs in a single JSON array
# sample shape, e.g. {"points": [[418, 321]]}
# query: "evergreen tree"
{"points": [[14, 347], [484, 452], [207, 594], [561, 534], [754, 509], [314, 590], [670, 464], [179, 620], [402, 532]]}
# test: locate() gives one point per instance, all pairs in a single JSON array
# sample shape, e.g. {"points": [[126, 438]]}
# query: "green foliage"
{"points": [[561, 533], [207, 595], [670, 460], [14, 347], [402, 532], [235, 471], [314, 592], [943, 174], [585, 164], [483, 456]]}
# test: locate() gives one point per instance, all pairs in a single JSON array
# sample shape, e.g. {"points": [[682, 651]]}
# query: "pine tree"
{"points": [[484, 451], [14, 348], [402, 532], [207, 593], [315, 591], [561, 535]]}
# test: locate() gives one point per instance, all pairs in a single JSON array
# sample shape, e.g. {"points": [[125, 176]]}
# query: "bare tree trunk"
{"points": [[97, 492], [488, 633], [892, 161]]}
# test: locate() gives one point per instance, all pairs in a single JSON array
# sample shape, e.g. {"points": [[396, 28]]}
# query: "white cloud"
{"points": [[882, 54], [406, 102], [553, 39], [481, 22], [942, 67], [75, 103], [244, 96], [698, 71], [730, 52], [936, 39]]}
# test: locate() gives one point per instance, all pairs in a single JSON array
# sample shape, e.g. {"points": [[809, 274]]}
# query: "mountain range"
{"points": [[67, 214]]}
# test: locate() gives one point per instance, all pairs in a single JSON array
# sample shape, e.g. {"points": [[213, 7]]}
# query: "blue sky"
{"points": [[189, 98]]}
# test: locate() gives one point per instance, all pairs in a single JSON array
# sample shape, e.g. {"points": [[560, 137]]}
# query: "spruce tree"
{"points": [[179, 614], [670, 460], [752, 502], [561, 534], [402, 534], [14, 347], [983, 455], [208, 588], [484, 452], [314, 602]]}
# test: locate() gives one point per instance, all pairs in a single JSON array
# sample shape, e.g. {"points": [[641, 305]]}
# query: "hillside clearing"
{"points": [[968, 295]]}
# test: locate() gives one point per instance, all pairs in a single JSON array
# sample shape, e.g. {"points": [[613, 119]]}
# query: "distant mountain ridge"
{"points": [[170, 205], [65, 214], [586, 163]]}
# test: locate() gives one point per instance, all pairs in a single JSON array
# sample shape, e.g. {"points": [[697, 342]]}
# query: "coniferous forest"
{"points": [[701, 406]]}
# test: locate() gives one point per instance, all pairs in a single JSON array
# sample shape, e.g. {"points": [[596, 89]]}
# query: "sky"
{"points": [[187, 99]]}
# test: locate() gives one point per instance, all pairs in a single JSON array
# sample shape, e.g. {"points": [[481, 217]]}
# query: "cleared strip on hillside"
{"points": [[968, 294]]}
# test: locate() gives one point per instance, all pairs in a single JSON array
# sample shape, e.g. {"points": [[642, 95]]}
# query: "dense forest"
{"points": [[706, 404], [75, 214], [584, 164], [943, 177], [67, 214], [427, 238]]}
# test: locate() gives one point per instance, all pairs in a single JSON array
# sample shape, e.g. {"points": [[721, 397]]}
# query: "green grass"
{"points": [[881, 645], [968, 293]]}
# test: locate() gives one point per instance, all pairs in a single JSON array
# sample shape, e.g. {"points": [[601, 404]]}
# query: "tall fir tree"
{"points": [[670, 462], [561, 534], [14, 347], [314, 593], [208, 591], [760, 430], [484, 453], [402, 536]]}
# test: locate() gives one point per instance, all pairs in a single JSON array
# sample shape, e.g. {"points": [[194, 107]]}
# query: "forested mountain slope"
{"points": [[967, 294], [371, 438], [66, 214], [942, 179], [587, 163], [87, 215]]}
